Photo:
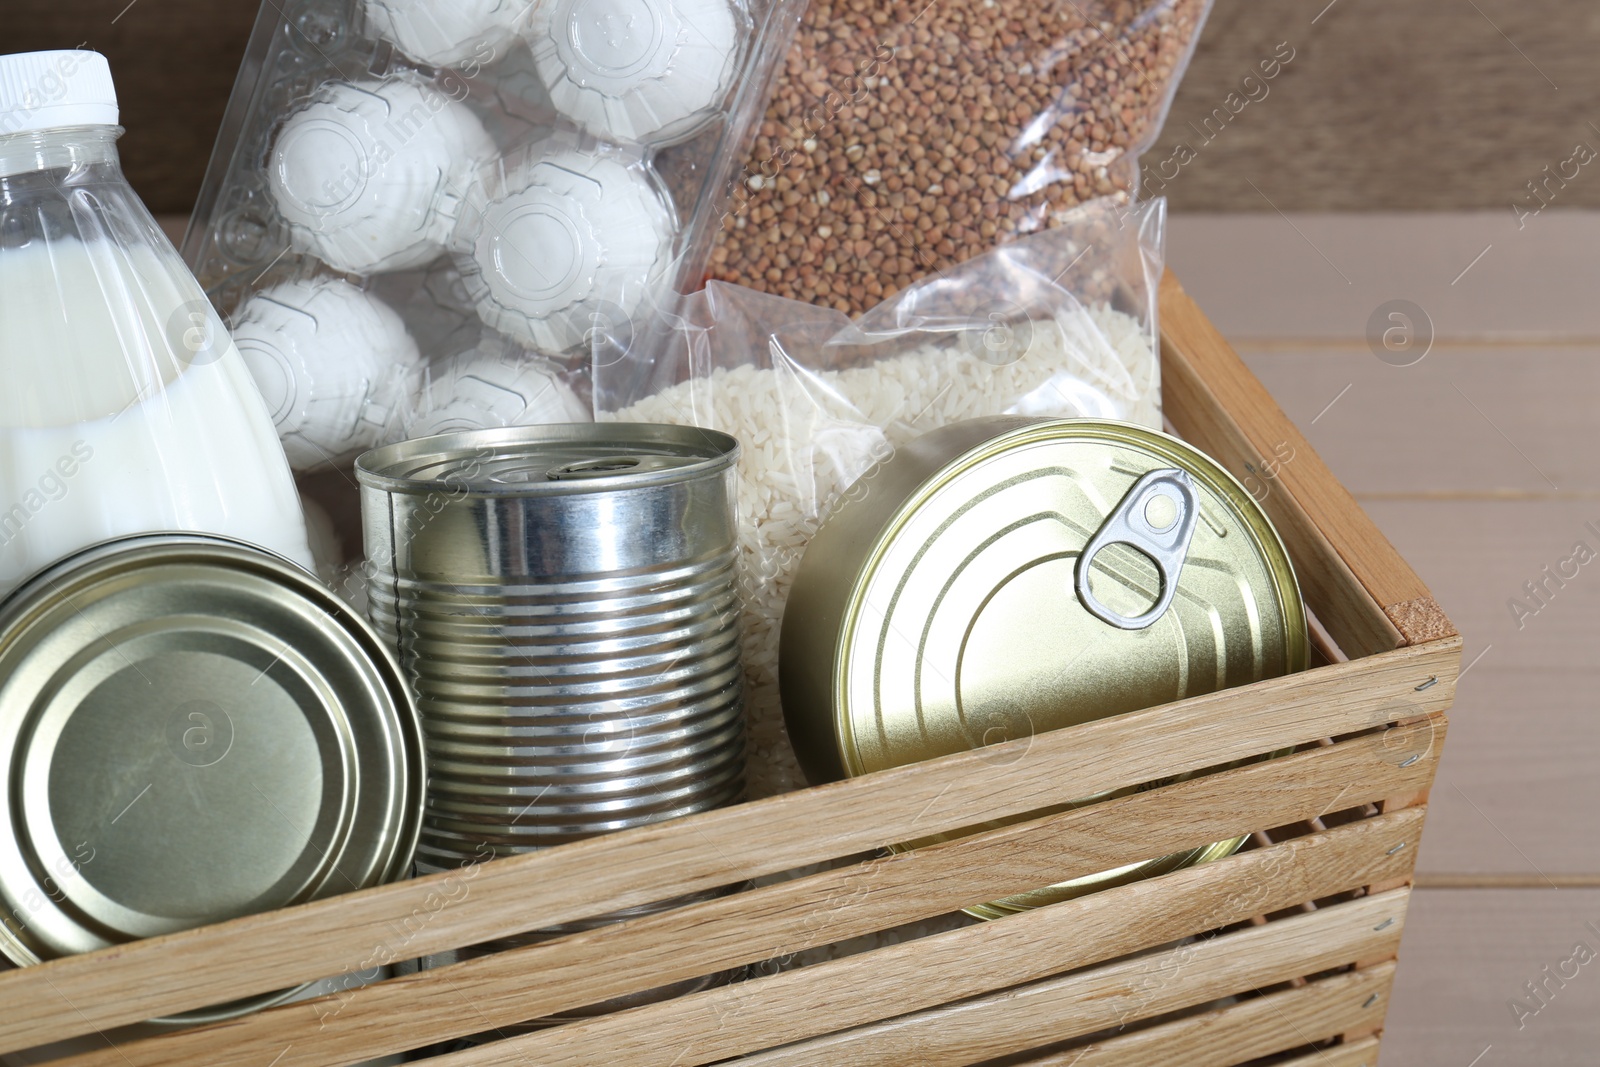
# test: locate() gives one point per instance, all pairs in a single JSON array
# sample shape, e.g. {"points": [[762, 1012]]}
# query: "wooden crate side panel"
{"points": [[750, 927], [183, 971], [1261, 1026], [1362, 1053], [1056, 1009], [1365, 593]]}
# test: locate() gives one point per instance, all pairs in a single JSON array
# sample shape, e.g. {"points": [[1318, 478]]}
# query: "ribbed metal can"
{"points": [[563, 602]]}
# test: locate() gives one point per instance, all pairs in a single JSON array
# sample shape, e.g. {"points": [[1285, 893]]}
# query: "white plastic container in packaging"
{"points": [[563, 239], [334, 364], [367, 175], [495, 383], [508, 176], [651, 71]]}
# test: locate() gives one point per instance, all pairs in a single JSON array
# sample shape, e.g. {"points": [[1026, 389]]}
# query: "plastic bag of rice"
{"points": [[1060, 324]]}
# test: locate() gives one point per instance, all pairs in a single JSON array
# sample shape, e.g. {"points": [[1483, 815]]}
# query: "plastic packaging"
{"points": [[495, 383], [334, 364], [124, 406], [563, 236], [1061, 324], [649, 71], [906, 137], [443, 33], [492, 170], [365, 188]]}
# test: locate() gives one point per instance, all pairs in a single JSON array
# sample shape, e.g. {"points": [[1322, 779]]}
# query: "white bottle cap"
{"points": [[49, 90], [369, 176], [636, 70], [571, 235], [442, 33], [331, 361]]}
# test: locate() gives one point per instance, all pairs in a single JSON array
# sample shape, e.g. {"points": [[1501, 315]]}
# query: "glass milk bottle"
{"points": [[124, 406]]}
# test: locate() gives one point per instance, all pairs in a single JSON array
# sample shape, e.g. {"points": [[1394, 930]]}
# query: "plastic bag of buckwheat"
{"points": [[904, 136]]}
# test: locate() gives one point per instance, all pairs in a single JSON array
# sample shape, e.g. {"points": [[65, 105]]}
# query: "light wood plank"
{"points": [[1038, 1014], [1232, 416], [1513, 797], [1479, 555], [1362, 1053], [1469, 954], [184, 970], [1260, 1026], [836, 905], [1516, 797], [1263, 278], [1483, 421]]}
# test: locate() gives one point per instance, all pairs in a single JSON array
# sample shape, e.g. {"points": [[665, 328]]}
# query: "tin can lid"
{"points": [[191, 729], [1002, 577], [553, 459]]}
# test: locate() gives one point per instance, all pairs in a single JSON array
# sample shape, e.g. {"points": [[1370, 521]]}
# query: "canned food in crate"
{"points": [[563, 601], [192, 729], [1007, 575]]}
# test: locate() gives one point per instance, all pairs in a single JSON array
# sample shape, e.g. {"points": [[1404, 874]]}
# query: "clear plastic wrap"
{"points": [[1061, 324], [905, 137], [494, 173]]}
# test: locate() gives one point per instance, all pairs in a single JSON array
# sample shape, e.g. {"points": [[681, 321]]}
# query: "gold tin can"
{"points": [[1003, 576], [192, 729]]}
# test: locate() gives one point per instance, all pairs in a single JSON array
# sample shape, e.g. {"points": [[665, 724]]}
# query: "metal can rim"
{"points": [[384, 468]]}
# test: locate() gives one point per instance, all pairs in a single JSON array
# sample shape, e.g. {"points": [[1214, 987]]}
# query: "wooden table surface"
{"points": [[1479, 463]]}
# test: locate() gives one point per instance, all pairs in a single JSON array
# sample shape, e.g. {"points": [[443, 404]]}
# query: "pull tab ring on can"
{"points": [[1131, 524]]}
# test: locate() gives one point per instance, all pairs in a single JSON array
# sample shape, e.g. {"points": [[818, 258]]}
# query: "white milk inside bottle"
{"points": [[124, 407]]}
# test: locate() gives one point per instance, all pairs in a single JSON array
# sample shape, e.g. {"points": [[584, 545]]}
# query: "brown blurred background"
{"points": [[1423, 105]]}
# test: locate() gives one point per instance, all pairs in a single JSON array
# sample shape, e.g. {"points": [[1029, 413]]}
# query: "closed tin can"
{"points": [[192, 729], [1008, 575], [563, 601]]}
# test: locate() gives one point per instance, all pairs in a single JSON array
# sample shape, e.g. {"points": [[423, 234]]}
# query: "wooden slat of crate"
{"points": [[1216, 404], [712, 1025], [1261, 1026], [195, 968], [835, 905], [1362, 1052]]}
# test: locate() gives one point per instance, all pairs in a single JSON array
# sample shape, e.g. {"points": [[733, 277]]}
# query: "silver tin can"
{"points": [[192, 729], [563, 601]]}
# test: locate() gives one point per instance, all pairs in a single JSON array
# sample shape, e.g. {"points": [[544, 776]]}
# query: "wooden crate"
{"points": [[1283, 953]]}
